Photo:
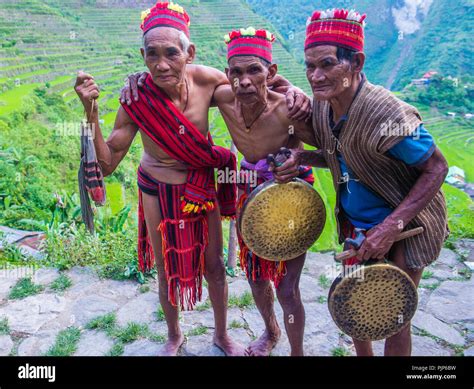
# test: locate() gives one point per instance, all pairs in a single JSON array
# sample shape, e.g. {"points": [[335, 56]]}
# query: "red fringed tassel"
{"points": [[184, 268], [146, 258]]}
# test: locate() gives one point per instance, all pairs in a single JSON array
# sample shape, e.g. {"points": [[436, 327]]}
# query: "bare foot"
{"points": [[172, 346], [230, 348], [264, 345]]}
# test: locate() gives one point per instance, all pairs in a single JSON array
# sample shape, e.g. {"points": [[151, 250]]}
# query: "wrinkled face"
{"points": [[327, 76], [248, 78], [164, 56]]}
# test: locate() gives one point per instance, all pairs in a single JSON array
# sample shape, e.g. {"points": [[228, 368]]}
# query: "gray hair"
{"points": [[183, 39]]}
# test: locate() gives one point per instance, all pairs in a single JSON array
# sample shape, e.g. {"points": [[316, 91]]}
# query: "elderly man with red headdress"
{"points": [[386, 168], [180, 207], [258, 122]]}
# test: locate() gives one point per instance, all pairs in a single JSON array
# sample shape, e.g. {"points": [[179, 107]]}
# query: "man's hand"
{"points": [[132, 83], [378, 242], [299, 104], [87, 90], [288, 170]]}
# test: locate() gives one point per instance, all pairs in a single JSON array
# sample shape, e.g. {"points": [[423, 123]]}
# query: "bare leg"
{"points": [[153, 218], [217, 286], [263, 295], [288, 294], [400, 344]]}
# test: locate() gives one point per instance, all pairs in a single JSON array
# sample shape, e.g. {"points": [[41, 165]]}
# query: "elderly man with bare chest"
{"points": [[260, 123], [257, 119], [179, 205]]}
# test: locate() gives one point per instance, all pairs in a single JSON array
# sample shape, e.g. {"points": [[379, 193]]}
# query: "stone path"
{"points": [[443, 324]]}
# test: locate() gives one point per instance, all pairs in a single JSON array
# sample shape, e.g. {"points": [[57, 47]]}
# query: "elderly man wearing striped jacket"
{"points": [[386, 169]]}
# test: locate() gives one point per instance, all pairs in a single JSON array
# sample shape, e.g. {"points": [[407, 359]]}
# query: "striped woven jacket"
{"points": [[377, 121]]}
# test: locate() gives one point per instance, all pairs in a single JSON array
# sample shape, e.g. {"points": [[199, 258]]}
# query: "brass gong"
{"points": [[372, 302], [279, 222]]}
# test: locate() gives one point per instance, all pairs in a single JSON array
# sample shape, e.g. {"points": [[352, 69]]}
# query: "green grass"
{"points": [[116, 350], [340, 352], [201, 330], [322, 299], [205, 306], [244, 301], [427, 274], [430, 286], [4, 327], [12, 100], [105, 323], [61, 283], [160, 314], [24, 288], [236, 324], [66, 343], [131, 332], [324, 281], [144, 288], [460, 212]]}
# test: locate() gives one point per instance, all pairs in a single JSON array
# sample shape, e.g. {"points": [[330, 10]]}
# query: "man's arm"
{"points": [[111, 152], [290, 169], [381, 238]]}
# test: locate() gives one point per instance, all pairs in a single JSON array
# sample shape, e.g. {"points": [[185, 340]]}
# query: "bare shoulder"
{"points": [[207, 76]]}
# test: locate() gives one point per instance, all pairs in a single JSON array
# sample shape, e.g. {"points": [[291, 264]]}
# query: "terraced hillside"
{"points": [[62, 37], [44, 44]]}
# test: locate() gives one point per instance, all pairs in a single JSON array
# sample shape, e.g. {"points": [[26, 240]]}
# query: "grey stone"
{"points": [[204, 297], [425, 346], [84, 281], [6, 345], [45, 276], [37, 344], [234, 315], [470, 265], [239, 287], [254, 321], [142, 347], [5, 286], [321, 344], [445, 273], [198, 318], [427, 322], [469, 352], [452, 302], [310, 289], [447, 257], [141, 309], [93, 343], [29, 314], [428, 282], [319, 263], [202, 345], [118, 289], [89, 307]]}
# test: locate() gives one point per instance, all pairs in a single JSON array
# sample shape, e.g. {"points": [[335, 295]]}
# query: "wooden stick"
{"points": [[406, 234]]}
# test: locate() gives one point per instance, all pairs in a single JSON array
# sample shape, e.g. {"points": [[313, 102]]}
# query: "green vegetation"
{"points": [[201, 330], [24, 288], [243, 301], [4, 327], [131, 332], [61, 283], [40, 114], [66, 343], [340, 352], [104, 323], [324, 281]]}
